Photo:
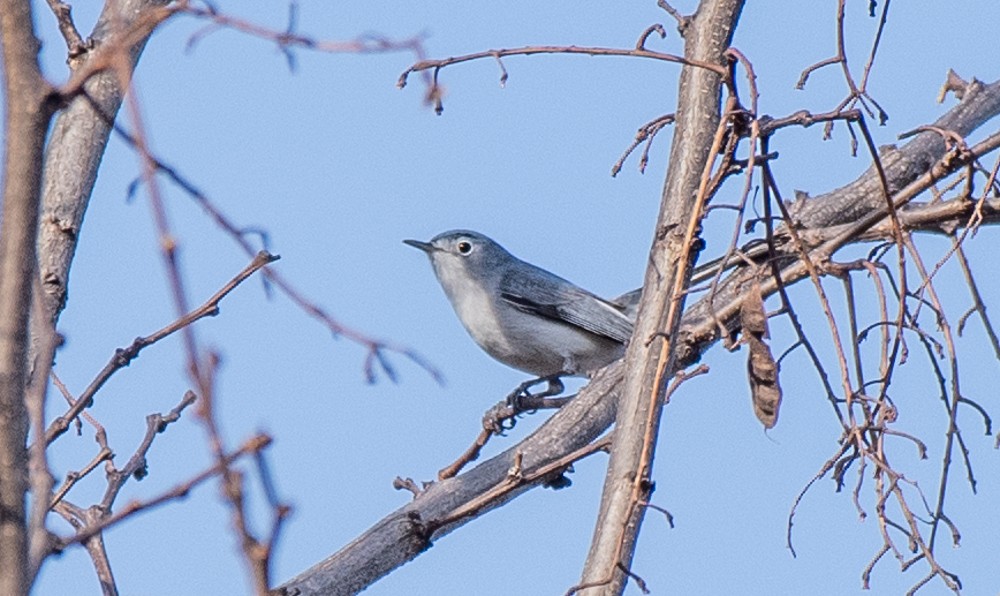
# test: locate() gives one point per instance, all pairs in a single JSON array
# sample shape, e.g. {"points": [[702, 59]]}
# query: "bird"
{"points": [[524, 316]]}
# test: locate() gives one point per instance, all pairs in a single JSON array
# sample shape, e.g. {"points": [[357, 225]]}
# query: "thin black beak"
{"points": [[427, 247]]}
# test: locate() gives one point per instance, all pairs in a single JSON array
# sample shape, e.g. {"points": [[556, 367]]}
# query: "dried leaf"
{"points": [[753, 317], [765, 392], [762, 369]]}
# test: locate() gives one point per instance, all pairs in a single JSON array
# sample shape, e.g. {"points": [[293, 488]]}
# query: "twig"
{"points": [[515, 481], [72, 477], [494, 424], [135, 467], [123, 356], [288, 38], [646, 133], [256, 551], [252, 445], [375, 347], [682, 21], [437, 65], [64, 17], [434, 92]]}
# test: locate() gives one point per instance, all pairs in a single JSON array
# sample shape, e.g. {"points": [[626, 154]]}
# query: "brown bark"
{"points": [[79, 137], [27, 112], [648, 363], [402, 535]]}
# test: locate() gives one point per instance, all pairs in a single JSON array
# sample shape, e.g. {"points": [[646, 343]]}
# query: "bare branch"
{"points": [[434, 92], [79, 136], [698, 138], [64, 16], [131, 508], [401, 535], [27, 111], [123, 356], [289, 38]]}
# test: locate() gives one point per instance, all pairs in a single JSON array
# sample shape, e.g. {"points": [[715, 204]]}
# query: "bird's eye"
{"points": [[464, 247]]}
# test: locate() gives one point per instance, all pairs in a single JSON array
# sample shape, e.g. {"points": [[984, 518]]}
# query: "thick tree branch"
{"points": [[402, 535], [649, 359], [902, 165], [76, 147], [701, 320], [27, 111]]}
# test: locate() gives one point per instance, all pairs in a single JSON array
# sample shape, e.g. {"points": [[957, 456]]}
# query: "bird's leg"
{"points": [[523, 400], [503, 416], [555, 387]]}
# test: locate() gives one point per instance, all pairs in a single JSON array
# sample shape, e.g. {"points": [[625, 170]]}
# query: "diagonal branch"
{"points": [[77, 142], [123, 356], [402, 535]]}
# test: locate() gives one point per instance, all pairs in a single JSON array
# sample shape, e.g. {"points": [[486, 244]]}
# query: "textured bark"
{"points": [[71, 160], [28, 109], [627, 483], [405, 533], [76, 147], [902, 165]]}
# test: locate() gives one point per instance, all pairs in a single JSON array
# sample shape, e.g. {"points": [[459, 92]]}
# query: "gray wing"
{"points": [[628, 302], [550, 296]]}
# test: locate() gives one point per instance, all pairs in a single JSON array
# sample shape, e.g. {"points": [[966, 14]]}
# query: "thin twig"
{"points": [[123, 356], [252, 445]]}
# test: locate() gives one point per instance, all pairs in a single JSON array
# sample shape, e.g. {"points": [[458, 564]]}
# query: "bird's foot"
{"points": [[503, 416], [522, 400]]}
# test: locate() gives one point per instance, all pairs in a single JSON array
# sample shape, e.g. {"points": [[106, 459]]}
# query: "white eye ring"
{"points": [[464, 247]]}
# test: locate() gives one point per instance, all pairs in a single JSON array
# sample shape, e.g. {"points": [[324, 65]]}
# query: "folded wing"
{"points": [[556, 299]]}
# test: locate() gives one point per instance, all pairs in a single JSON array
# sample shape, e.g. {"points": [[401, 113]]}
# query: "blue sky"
{"points": [[339, 166]]}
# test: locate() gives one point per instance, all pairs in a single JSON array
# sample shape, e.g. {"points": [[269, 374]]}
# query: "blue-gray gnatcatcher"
{"points": [[524, 316]]}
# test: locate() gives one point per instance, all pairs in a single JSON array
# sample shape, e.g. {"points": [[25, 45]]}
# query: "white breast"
{"points": [[474, 307]]}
